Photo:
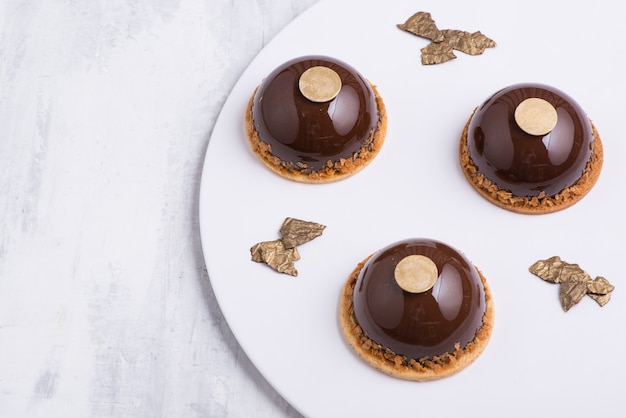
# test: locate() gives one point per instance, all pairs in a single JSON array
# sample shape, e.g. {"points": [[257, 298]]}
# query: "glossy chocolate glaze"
{"points": [[425, 324], [524, 164], [300, 130]]}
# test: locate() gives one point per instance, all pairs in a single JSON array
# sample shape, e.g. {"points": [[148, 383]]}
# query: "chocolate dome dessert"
{"points": [[417, 310], [315, 119], [531, 148]]}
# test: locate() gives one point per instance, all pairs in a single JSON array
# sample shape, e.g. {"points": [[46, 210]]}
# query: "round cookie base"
{"points": [[539, 204], [398, 366], [331, 172]]}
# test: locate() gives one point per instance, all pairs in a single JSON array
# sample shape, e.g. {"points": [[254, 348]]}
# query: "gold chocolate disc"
{"points": [[416, 273], [320, 84], [536, 116]]}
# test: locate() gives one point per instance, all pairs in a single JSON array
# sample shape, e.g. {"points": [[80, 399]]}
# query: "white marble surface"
{"points": [[106, 110]]}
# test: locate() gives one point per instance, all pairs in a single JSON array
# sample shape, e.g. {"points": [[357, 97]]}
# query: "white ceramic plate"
{"points": [[540, 361]]}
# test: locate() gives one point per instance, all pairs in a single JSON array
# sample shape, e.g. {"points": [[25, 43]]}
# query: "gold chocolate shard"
{"points": [[600, 286], [601, 299], [445, 40], [422, 24], [600, 290], [281, 254], [469, 43], [574, 282], [296, 232], [437, 53], [555, 270], [275, 255], [570, 293]]}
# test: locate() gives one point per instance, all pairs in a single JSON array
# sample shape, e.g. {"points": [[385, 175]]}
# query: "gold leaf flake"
{"points": [[469, 43], [600, 286], [281, 254], [422, 24], [601, 299], [570, 293], [437, 53], [555, 270], [574, 282], [444, 41], [296, 232], [275, 255]]}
